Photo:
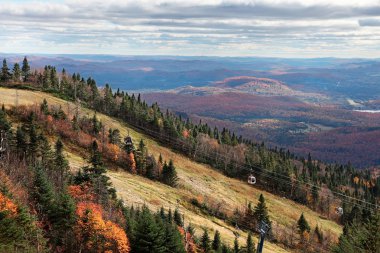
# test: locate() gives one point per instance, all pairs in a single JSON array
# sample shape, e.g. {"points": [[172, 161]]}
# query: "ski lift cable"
{"points": [[243, 166], [302, 184], [176, 141]]}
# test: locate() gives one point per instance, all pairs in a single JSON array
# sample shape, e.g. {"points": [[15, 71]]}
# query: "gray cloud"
{"points": [[180, 26], [369, 22]]}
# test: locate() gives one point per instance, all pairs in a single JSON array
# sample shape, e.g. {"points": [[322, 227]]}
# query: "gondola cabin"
{"points": [[128, 144], [128, 141], [251, 179]]}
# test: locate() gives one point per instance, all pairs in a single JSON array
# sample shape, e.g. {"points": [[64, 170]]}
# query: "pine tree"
{"points": [[25, 69], [173, 240], [114, 136], [96, 160], [170, 216], [148, 237], [21, 141], [216, 243], [63, 220], [43, 193], [225, 249], [45, 152], [5, 74], [16, 73], [315, 194], [61, 164], [4, 123], [44, 107], [96, 125], [261, 211], [169, 174], [360, 237], [303, 225], [236, 245], [177, 218], [205, 241], [250, 244], [33, 143], [319, 234]]}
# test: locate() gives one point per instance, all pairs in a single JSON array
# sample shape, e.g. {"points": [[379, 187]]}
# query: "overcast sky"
{"points": [[281, 28]]}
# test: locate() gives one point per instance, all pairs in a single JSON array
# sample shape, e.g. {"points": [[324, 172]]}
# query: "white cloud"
{"points": [[215, 27]]}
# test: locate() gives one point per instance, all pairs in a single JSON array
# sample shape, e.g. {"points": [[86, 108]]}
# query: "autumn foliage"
{"points": [[190, 245], [7, 205], [81, 192], [98, 234], [92, 231]]}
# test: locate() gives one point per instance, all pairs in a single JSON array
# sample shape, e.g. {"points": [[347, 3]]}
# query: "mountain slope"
{"points": [[196, 180]]}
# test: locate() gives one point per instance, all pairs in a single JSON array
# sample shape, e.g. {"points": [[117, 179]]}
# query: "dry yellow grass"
{"points": [[195, 180]]}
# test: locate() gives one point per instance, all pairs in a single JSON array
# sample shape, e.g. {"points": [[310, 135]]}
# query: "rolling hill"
{"points": [[196, 180]]}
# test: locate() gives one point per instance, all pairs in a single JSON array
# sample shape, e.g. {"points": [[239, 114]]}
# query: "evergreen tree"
{"points": [[225, 249], [17, 231], [33, 142], [44, 107], [148, 237], [236, 245], [173, 240], [96, 125], [21, 141], [360, 237], [177, 218], [25, 69], [96, 160], [45, 152], [261, 211], [114, 136], [205, 241], [170, 216], [4, 123], [217, 242], [5, 74], [61, 164], [169, 174], [315, 194], [141, 160], [250, 244], [43, 193], [303, 225], [319, 234], [16, 73], [63, 220]]}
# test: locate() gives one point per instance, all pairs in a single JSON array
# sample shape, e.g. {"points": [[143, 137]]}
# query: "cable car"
{"points": [[128, 143], [251, 179], [339, 210]]}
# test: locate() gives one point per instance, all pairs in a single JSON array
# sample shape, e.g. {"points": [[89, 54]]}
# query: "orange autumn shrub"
{"points": [[94, 233], [81, 192], [132, 161], [114, 233], [112, 151], [190, 245], [7, 205], [185, 133]]}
